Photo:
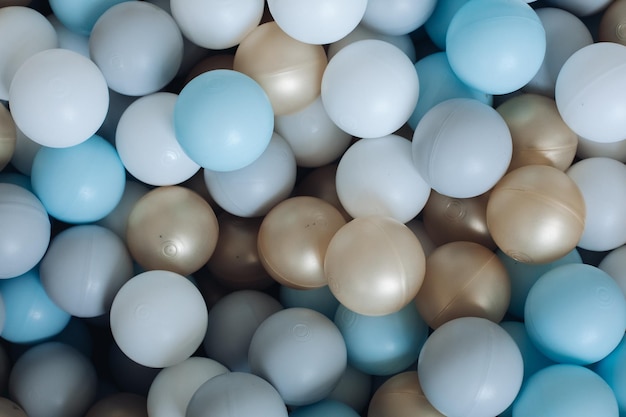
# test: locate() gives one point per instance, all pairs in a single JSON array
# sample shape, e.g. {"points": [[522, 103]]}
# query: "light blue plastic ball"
{"points": [[534, 360], [575, 313], [437, 24], [439, 83], [319, 299], [613, 370], [496, 46], [382, 345], [523, 276], [30, 315], [223, 120], [81, 183], [565, 390], [79, 15], [325, 408]]}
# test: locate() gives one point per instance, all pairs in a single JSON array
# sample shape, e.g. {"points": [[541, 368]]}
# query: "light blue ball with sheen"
{"points": [[496, 46], [79, 15], [439, 83], [565, 390], [325, 408], [575, 313], [81, 183], [30, 315], [523, 276], [223, 120], [613, 370], [437, 24], [382, 345], [319, 299]]}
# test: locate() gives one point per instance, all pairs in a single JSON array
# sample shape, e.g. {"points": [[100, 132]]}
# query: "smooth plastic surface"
{"points": [[397, 17], [117, 219], [400, 396], [437, 24], [325, 408], [534, 360], [361, 32], [319, 299], [80, 16], [614, 264], [611, 369]]}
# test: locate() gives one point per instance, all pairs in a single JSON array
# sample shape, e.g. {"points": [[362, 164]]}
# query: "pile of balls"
{"points": [[307, 208]]}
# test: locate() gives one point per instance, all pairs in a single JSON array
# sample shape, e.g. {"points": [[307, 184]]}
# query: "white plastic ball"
{"points": [[470, 367], [253, 190], [585, 92], [360, 33], [397, 17], [173, 387], [158, 318], [138, 46], [30, 32], [377, 176], [313, 137], [462, 147], [317, 21], [602, 182], [370, 88], [59, 98], [147, 144], [217, 24]]}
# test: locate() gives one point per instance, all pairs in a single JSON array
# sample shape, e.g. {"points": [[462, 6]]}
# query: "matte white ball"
{"points": [[253, 190], [59, 98], [30, 33], [84, 268], [313, 137], [217, 24], [174, 386], [158, 318], [317, 21], [462, 147], [370, 88], [470, 367], [138, 46], [361, 33], [147, 144], [585, 92], [377, 176], [602, 182], [397, 17]]}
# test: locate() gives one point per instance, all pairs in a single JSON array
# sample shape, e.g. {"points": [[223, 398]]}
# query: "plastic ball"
{"points": [[137, 46], [53, 380], [575, 313], [448, 219], [289, 71], [10, 409], [321, 183], [68, 39], [374, 265], [147, 145], [36, 34], [565, 34], [172, 228], [361, 32], [401, 396], [611, 28], [584, 92], [398, 17], [223, 120], [439, 21], [382, 345], [253, 190], [121, 404], [317, 22], [31, 316], [601, 182], [8, 137], [174, 386], [84, 268], [536, 192], [463, 279], [300, 352], [534, 360], [462, 147], [496, 46], [370, 88], [470, 367], [59, 98], [325, 408], [216, 24], [611, 369], [439, 83], [539, 134], [117, 219], [78, 16], [233, 319], [581, 7], [25, 229], [81, 183], [377, 176], [158, 318], [314, 139], [293, 239], [236, 394], [524, 275], [320, 299], [566, 390]]}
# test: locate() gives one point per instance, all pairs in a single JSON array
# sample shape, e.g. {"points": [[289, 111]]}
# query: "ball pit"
{"points": [[295, 207]]}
